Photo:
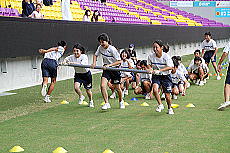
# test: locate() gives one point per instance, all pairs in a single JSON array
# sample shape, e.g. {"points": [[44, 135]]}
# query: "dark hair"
{"points": [[95, 17], [176, 63], [159, 42], [197, 59], [208, 33], [104, 37], [178, 58], [80, 47], [138, 62], [143, 62], [125, 51], [166, 48], [38, 5], [86, 12], [197, 51], [61, 43], [131, 46]]}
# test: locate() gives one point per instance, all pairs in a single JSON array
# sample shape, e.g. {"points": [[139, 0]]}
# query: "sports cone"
{"points": [[16, 149], [126, 104], [64, 102], [102, 103], [134, 99], [59, 150], [215, 74], [108, 151], [174, 105], [221, 74], [84, 103], [210, 74], [190, 105], [144, 104]]}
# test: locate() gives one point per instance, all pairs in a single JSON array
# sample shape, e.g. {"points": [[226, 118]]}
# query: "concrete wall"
{"points": [[24, 72]]}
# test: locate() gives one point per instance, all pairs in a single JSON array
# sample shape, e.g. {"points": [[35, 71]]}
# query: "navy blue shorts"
{"points": [[114, 76], [227, 81], [84, 78], [49, 68], [208, 55], [163, 80], [133, 77]]}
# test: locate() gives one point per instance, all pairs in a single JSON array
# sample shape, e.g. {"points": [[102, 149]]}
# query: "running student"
{"points": [[109, 55], [178, 80], [146, 85], [226, 52], [198, 72], [49, 67], [160, 64], [82, 75], [209, 50]]}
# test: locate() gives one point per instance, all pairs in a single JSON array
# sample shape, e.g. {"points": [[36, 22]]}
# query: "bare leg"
{"points": [[45, 81], [89, 93], [104, 82], [175, 91], [156, 93], [119, 92], [227, 92], [215, 67], [168, 99], [201, 73], [77, 89], [51, 87]]}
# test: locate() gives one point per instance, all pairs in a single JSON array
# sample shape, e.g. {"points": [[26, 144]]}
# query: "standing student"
{"points": [[49, 67], [95, 16], [65, 9], [109, 55], [209, 50], [132, 52], [82, 75], [86, 16], [37, 13], [160, 64], [226, 52]]}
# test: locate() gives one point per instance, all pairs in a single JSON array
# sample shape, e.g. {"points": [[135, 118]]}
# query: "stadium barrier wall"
{"points": [[21, 38]]}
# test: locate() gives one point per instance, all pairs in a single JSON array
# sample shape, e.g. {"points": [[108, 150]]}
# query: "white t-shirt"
{"points": [[86, 18], [36, 15], [55, 54], [192, 62], [145, 77], [109, 55], [83, 59], [177, 77], [126, 65], [182, 68], [207, 46], [227, 50], [194, 68], [160, 63]]}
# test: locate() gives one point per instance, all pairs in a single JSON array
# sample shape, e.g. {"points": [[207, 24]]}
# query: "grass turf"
{"points": [[40, 128]]}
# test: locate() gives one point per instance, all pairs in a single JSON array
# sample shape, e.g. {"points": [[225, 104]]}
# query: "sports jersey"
{"points": [[207, 46], [55, 54], [83, 59]]}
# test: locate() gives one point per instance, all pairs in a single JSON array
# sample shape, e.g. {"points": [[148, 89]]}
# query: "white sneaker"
{"points": [[224, 105], [81, 99], [147, 96], [188, 85], [113, 95], [205, 81], [197, 82], [163, 96], [123, 94], [43, 91], [208, 78], [91, 104], [126, 92], [201, 83], [174, 97], [122, 105], [218, 77], [170, 111], [160, 108], [106, 106], [47, 99]]}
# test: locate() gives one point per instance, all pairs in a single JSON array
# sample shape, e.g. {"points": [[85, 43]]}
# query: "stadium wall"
{"points": [[21, 38]]}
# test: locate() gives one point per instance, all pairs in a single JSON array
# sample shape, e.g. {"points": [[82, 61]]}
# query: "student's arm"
{"points": [[94, 61], [43, 51], [149, 69], [216, 50], [166, 68], [130, 64], [224, 55], [115, 63], [202, 54]]}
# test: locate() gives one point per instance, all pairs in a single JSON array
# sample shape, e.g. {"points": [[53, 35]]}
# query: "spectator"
{"points": [[86, 17], [48, 2], [132, 53], [37, 14], [39, 2], [95, 16], [65, 9], [27, 8]]}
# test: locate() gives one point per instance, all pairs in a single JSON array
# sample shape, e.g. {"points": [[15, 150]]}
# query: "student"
{"points": [[86, 16], [160, 64], [178, 80], [136, 76], [37, 13], [95, 16], [132, 53], [82, 75], [209, 50], [109, 55], [49, 67], [27, 8], [198, 71], [226, 52], [197, 54], [145, 80]]}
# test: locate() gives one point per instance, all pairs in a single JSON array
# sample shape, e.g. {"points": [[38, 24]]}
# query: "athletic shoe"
{"points": [[122, 105], [201, 83], [205, 81], [218, 77], [174, 97], [208, 78], [160, 108], [188, 85], [224, 105], [126, 92], [81, 99], [113, 95], [43, 91], [163, 96], [147, 96], [170, 111], [47, 99], [197, 82], [91, 104], [106, 106]]}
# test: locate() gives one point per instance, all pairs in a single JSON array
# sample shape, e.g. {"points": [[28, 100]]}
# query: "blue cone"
{"points": [[134, 99]]}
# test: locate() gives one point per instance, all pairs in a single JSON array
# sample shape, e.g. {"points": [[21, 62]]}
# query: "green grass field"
{"points": [[40, 128]]}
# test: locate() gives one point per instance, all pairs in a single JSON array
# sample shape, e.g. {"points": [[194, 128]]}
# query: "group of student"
{"points": [[165, 74]]}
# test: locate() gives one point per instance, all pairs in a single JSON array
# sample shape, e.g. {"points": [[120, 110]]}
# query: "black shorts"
{"points": [[49, 68], [114, 76], [208, 55], [84, 78], [163, 80], [227, 81], [133, 77]]}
